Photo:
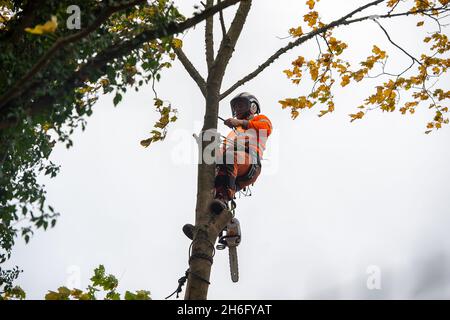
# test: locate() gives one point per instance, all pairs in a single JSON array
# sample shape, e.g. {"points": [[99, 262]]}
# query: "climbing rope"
{"points": [[201, 255], [184, 278], [182, 281]]}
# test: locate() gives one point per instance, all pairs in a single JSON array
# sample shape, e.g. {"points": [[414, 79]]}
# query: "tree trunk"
{"points": [[207, 225]]}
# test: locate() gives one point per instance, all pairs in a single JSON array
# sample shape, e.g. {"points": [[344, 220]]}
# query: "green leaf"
{"points": [[130, 296], [117, 99]]}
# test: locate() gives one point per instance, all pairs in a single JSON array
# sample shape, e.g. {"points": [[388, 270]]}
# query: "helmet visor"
{"points": [[240, 106]]}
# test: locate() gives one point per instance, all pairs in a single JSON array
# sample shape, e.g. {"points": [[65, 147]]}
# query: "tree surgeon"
{"points": [[238, 162]]}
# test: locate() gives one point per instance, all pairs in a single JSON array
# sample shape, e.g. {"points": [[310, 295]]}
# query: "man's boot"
{"points": [[219, 204], [188, 230]]}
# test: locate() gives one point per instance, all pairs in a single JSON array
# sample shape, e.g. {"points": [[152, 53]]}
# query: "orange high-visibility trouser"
{"points": [[230, 174]]}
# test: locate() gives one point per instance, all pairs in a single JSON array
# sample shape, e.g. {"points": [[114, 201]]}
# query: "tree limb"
{"points": [[195, 75], [115, 51], [294, 44], [222, 22], [26, 18], [209, 37], [444, 8], [229, 42], [396, 45], [20, 85], [340, 22]]}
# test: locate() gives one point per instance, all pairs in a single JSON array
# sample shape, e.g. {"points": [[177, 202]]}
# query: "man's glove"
{"points": [[233, 123]]}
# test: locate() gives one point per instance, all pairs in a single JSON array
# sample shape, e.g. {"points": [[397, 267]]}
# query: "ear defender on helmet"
{"points": [[254, 108]]}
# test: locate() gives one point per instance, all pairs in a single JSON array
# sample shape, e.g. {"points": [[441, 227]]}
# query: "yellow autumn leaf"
{"points": [[420, 23], [322, 113], [51, 295], [380, 53], [436, 70], [311, 18], [299, 61], [288, 73], [46, 126], [359, 75], [296, 32], [313, 70], [345, 80], [48, 27], [150, 11], [330, 106], [392, 3], [177, 43], [104, 82], [145, 143], [355, 116], [310, 4]]}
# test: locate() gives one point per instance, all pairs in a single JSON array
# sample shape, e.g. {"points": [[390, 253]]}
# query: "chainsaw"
{"points": [[231, 239]]}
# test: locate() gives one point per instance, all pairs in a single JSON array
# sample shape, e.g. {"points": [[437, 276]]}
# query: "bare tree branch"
{"points": [[442, 9], [390, 40], [195, 75], [393, 7], [20, 86], [436, 20], [229, 42], [209, 37], [222, 22], [294, 44]]}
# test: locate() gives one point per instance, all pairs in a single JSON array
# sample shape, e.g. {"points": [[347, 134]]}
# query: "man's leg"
{"points": [[225, 187], [225, 182], [248, 171]]}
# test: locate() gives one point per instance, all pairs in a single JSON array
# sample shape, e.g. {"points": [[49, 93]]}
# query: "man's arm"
{"points": [[260, 122]]}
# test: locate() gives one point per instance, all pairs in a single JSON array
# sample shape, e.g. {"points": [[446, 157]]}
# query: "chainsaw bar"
{"points": [[232, 254]]}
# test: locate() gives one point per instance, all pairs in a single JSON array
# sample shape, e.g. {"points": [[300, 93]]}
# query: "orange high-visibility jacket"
{"points": [[255, 136]]}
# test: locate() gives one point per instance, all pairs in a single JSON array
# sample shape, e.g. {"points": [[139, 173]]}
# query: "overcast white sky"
{"points": [[333, 199]]}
